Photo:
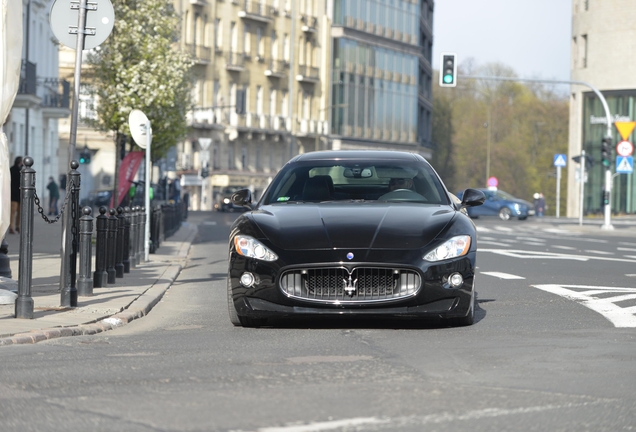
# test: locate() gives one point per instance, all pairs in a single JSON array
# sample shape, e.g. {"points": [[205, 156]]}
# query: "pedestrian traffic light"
{"points": [[448, 70], [205, 171], [606, 151], [85, 156]]}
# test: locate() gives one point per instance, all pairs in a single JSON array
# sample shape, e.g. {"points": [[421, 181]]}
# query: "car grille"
{"points": [[362, 284]]}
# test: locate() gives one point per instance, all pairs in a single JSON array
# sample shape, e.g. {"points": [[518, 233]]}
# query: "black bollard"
{"points": [[85, 282], [24, 302], [100, 277], [133, 237], [126, 259], [110, 254], [119, 244], [140, 236], [5, 265], [70, 226]]}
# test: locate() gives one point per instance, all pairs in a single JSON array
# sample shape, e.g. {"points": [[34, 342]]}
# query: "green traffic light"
{"points": [[82, 160], [448, 79]]}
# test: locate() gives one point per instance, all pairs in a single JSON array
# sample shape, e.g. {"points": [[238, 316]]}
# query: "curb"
{"points": [[139, 308]]}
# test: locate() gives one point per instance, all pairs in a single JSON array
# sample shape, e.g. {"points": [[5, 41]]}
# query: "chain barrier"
{"points": [[69, 187]]}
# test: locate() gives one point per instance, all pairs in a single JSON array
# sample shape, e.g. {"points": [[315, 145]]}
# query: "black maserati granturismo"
{"points": [[370, 233]]}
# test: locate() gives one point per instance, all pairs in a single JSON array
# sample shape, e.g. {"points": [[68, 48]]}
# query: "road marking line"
{"points": [[525, 254], [502, 275], [599, 252], [584, 294], [626, 249], [564, 247]]}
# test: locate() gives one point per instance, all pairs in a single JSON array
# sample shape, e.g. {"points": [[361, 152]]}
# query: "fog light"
{"points": [[455, 280], [247, 279]]}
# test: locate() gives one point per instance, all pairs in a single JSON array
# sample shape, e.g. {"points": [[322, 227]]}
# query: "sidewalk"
{"points": [[131, 297]]}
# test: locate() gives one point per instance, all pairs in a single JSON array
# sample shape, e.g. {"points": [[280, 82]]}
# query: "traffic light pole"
{"points": [[608, 174]]}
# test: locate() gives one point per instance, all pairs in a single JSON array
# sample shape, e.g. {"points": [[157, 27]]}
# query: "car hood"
{"points": [[333, 226]]}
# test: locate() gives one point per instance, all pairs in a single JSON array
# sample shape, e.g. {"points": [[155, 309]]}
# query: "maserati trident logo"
{"points": [[350, 286], [350, 256]]}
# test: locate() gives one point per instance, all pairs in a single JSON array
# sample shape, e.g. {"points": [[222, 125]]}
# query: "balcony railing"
{"points": [[308, 74], [310, 23], [277, 68], [28, 81], [235, 61], [255, 10], [201, 54]]}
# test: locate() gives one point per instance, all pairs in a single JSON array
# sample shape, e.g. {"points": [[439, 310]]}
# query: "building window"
{"points": [[286, 48], [272, 103], [259, 100], [274, 45], [260, 43], [284, 107], [247, 45], [584, 48], [244, 159], [218, 42]]}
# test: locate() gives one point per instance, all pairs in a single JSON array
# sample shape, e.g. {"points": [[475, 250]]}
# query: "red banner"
{"points": [[127, 172]]}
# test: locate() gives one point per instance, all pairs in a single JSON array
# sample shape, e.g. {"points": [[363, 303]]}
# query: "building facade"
{"points": [[312, 75], [381, 74], [601, 57], [261, 71], [42, 99]]}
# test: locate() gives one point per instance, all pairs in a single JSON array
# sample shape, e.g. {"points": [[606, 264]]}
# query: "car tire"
{"points": [[504, 213], [234, 318], [523, 217], [467, 320]]}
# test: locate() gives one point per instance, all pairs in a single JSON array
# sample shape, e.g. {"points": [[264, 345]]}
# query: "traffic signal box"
{"points": [[448, 70], [606, 151], [85, 157]]}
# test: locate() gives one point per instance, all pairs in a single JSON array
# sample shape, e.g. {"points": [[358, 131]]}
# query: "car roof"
{"points": [[358, 154]]}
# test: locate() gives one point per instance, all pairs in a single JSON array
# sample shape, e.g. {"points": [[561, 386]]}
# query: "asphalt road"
{"points": [[552, 349]]}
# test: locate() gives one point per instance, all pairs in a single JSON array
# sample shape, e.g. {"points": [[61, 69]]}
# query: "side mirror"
{"points": [[472, 198], [242, 198]]}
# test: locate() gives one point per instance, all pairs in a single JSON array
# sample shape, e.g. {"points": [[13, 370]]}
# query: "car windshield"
{"points": [[344, 181]]}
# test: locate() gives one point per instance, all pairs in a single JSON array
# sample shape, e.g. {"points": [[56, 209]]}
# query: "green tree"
{"points": [[522, 125], [140, 67]]}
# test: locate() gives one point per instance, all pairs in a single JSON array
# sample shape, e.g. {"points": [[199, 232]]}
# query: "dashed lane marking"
{"points": [[564, 247], [599, 252], [590, 297], [526, 254], [502, 275]]}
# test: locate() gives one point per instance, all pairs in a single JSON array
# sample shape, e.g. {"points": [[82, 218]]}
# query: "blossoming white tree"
{"points": [[140, 67]]}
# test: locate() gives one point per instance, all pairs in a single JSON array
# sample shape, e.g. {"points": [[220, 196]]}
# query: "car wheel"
{"points": [[523, 217], [237, 320], [234, 318], [504, 213], [467, 320]]}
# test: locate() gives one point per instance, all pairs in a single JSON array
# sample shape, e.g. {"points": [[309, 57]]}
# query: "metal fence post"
{"points": [[68, 289], [126, 259], [24, 302], [119, 248], [133, 237], [142, 236], [100, 277], [112, 238], [139, 235], [85, 281]]}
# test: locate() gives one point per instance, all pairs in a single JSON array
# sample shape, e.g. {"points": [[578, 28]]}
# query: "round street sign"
{"points": [[624, 148], [64, 19]]}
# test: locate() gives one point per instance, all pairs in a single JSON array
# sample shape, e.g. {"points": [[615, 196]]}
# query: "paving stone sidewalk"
{"points": [[129, 298]]}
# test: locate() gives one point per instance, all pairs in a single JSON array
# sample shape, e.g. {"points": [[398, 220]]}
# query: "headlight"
{"points": [[226, 200], [252, 248], [455, 247]]}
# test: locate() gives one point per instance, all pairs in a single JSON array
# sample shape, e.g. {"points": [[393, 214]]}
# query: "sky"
{"points": [[530, 36]]}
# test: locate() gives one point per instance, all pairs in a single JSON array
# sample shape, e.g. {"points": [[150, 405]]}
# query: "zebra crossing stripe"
{"points": [[607, 305]]}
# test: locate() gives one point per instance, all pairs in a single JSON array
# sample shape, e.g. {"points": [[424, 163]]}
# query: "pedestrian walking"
{"points": [[539, 204], [14, 222], [54, 196]]}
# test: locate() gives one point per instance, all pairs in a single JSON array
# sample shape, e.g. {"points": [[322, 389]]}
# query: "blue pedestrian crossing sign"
{"points": [[560, 160], [624, 164]]}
